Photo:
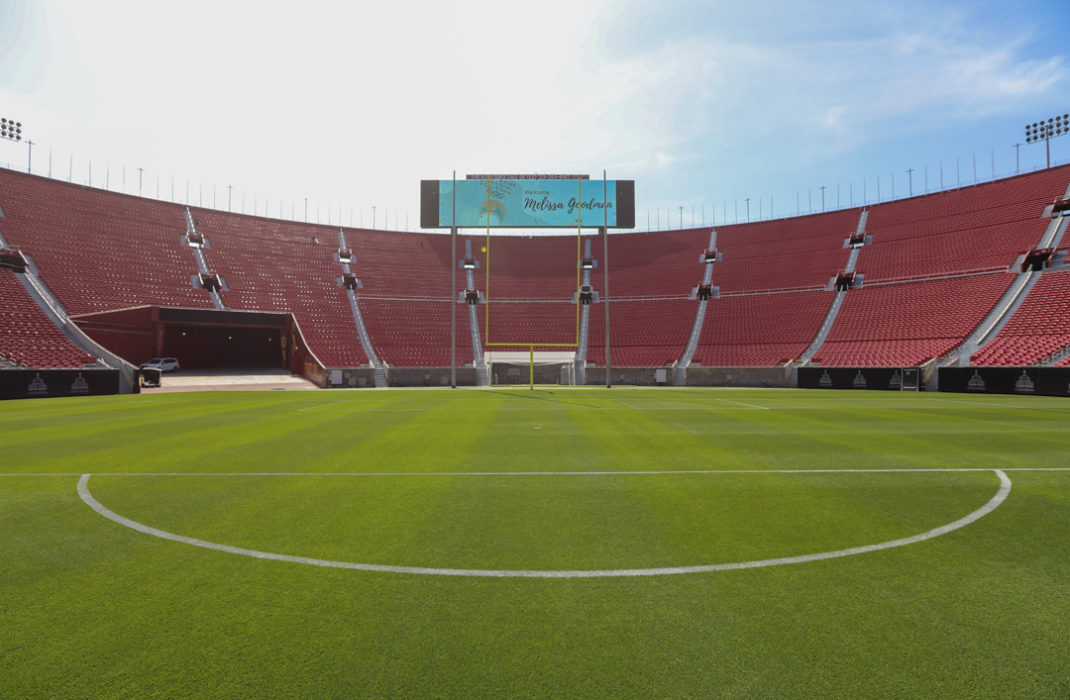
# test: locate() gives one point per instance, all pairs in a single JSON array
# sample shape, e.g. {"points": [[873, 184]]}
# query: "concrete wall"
{"points": [[740, 376], [696, 376], [425, 376], [506, 373]]}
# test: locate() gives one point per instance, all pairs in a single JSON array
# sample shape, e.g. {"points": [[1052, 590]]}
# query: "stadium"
{"points": [[535, 444], [966, 279]]}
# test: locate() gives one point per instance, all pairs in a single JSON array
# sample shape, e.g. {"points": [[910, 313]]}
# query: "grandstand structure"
{"points": [[973, 276]]}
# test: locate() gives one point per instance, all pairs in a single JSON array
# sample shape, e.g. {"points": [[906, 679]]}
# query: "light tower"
{"points": [[11, 130], [1047, 130]]}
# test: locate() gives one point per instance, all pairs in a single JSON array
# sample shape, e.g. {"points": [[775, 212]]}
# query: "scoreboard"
{"points": [[539, 201]]}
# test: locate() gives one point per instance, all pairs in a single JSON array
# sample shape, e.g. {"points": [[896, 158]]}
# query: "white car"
{"points": [[164, 364]]}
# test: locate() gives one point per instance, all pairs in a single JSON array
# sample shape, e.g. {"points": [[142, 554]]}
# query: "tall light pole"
{"points": [[1017, 159], [910, 181], [1047, 130], [822, 188]]}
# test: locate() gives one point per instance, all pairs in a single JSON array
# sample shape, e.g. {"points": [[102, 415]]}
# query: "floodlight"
{"points": [[10, 129], [1046, 130]]}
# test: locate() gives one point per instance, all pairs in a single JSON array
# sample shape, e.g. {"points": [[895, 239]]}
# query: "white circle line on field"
{"points": [[644, 472], [991, 505]]}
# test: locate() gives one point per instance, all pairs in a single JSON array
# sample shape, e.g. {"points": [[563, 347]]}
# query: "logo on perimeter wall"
{"points": [[37, 387], [1024, 384], [80, 385]]}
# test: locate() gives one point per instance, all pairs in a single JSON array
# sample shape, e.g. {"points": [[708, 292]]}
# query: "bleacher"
{"points": [[643, 333], [760, 330], [653, 265], [905, 324], [416, 333], [799, 253], [1040, 327], [979, 228], [28, 338], [281, 266], [98, 250], [651, 276], [404, 300], [936, 265], [532, 283]]}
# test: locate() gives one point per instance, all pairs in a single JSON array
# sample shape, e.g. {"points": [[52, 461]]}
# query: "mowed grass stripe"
{"points": [[586, 522], [262, 432], [88, 608]]}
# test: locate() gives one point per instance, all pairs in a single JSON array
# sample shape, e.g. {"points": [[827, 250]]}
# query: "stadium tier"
{"points": [[97, 250], [903, 325], [760, 330], [973, 229], [1039, 328], [280, 266], [643, 333], [662, 265], [404, 297], [797, 253], [28, 338], [531, 290], [931, 269]]}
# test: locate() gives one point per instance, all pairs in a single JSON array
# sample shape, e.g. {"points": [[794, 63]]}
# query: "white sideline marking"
{"points": [[991, 505], [651, 472], [963, 402], [688, 407], [740, 403], [332, 403]]}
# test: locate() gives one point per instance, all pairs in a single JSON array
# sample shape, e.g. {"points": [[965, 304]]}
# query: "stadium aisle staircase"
{"points": [[379, 371], [708, 258], [28, 337], [855, 244], [197, 245], [478, 361]]}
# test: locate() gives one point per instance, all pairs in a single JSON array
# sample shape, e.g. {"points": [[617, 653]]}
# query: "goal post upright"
{"points": [[579, 256], [486, 284]]}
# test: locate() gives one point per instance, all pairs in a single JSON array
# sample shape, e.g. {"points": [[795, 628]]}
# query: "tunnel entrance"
{"points": [[199, 338]]}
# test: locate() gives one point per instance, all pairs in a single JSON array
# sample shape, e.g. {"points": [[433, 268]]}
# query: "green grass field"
{"points": [[514, 482]]}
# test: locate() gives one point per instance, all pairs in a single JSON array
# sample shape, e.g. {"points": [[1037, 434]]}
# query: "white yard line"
{"points": [[963, 402], [992, 504], [332, 403], [740, 403], [646, 472]]}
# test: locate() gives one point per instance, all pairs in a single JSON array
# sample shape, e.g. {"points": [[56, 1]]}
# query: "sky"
{"points": [[344, 107]]}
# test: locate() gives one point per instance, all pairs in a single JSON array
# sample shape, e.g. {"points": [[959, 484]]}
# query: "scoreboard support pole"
{"points": [[605, 270], [453, 288]]}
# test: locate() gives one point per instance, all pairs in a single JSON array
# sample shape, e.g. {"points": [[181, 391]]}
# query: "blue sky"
{"points": [[702, 104]]}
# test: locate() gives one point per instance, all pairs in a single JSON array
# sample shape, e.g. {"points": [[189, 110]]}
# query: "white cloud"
{"points": [[356, 102], [833, 116]]}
